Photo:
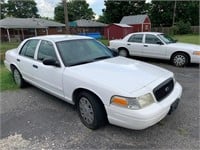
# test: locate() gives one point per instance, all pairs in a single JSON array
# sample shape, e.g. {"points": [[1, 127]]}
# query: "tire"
{"points": [[18, 78], [123, 52], [180, 59], [91, 111]]}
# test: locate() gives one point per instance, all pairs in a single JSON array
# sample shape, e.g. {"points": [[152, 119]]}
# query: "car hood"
{"points": [[119, 73], [185, 46]]}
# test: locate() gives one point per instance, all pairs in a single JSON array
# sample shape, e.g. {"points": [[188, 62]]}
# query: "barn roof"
{"points": [[87, 23], [28, 23], [138, 19], [122, 25]]}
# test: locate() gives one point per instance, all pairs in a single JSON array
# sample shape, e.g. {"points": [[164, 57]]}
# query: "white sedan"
{"points": [[157, 45], [83, 72]]}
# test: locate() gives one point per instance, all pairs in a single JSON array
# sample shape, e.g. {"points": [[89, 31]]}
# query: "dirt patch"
{"points": [[14, 142]]}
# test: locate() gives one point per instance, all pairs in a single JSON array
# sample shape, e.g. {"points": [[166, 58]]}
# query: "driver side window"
{"points": [[152, 39], [46, 50]]}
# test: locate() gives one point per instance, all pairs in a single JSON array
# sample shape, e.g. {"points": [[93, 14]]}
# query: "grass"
{"points": [[104, 41], [4, 46], [189, 38], [6, 80]]}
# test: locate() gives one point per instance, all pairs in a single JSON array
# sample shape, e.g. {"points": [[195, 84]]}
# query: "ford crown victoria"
{"points": [[157, 45], [103, 87]]}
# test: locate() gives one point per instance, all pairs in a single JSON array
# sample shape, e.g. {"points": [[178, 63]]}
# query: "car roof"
{"points": [[57, 38], [155, 33]]}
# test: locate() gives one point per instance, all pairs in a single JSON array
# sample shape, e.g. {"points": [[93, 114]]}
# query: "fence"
{"points": [[168, 30]]}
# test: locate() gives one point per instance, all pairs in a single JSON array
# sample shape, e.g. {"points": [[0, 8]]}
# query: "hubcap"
{"points": [[123, 53], [17, 77], [86, 110], [179, 60]]}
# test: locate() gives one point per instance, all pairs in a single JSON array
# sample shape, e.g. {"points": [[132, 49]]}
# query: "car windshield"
{"points": [[76, 52], [167, 39]]}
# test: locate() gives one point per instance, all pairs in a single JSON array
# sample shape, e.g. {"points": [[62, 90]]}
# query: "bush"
{"points": [[183, 28], [173, 30]]}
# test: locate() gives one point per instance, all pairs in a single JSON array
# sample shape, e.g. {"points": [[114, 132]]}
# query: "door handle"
{"points": [[35, 66], [145, 45], [18, 60], [128, 44]]}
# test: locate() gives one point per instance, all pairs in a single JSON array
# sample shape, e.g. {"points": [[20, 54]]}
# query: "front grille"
{"points": [[163, 90]]}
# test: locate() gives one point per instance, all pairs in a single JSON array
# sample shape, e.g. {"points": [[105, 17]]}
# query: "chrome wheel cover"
{"points": [[179, 60], [17, 77], [86, 110]]}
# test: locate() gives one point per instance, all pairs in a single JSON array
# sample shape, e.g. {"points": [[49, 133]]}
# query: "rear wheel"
{"points": [[90, 110], [18, 78], [123, 52], [180, 59]]}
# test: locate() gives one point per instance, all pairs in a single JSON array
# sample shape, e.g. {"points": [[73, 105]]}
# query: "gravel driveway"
{"points": [[32, 119]]}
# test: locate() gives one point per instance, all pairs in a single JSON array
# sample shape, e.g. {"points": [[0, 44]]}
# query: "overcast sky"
{"points": [[46, 7]]}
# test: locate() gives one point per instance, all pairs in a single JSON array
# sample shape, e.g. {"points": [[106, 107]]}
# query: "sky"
{"points": [[46, 7]]}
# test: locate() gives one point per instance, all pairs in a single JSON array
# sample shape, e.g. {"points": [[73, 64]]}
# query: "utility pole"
{"points": [[174, 13], [66, 16]]}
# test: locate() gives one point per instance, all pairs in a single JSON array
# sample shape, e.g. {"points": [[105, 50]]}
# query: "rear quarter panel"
{"points": [[11, 58], [117, 44]]}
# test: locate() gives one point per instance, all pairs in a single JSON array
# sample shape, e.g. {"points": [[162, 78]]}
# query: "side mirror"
{"points": [[51, 62], [160, 43]]}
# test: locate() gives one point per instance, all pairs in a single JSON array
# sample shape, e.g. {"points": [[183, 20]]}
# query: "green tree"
{"points": [[188, 11], [3, 9], [22, 8], [76, 10], [161, 13], [115, 10]]}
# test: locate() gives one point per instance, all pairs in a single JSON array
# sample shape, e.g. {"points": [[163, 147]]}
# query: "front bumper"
{"points": [[146, 117], [195, 59]]}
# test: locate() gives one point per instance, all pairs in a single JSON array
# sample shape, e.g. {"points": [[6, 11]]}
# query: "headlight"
{"points": [[196, 53], [133, 103]]}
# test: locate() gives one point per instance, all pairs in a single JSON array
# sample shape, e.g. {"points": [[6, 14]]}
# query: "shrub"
{"points": [[183, 28], [173, 30]]}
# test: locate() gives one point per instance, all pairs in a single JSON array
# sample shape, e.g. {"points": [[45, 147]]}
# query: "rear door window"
{"points": [[29, 48], [136, 38]]}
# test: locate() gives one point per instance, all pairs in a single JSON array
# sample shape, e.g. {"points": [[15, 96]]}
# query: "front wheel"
{"points": [[123, 52], [180, 59], [18, 78], [90, 110]]}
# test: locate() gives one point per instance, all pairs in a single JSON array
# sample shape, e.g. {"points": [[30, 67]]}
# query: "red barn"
{"points": [[117, 31], [140, 23]]}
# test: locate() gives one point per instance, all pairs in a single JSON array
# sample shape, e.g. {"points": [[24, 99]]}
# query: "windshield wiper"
{"points": [[81, 62], [89, 61], [102, 57]]}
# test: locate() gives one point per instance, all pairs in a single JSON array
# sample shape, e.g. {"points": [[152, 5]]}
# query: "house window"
{"points": [[59, 29]]}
